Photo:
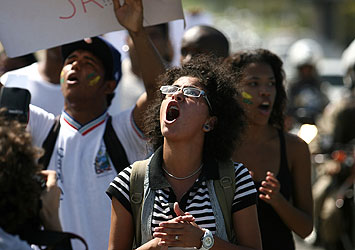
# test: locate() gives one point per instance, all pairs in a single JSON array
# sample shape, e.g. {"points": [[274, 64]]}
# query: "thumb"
{"points": [[177, 210]]}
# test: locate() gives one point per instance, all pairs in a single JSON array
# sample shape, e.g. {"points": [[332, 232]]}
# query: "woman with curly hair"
{"points": [[20, 192], [193, 127], [278, 161]]}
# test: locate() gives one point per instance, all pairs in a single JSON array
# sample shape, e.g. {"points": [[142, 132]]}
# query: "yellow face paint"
{"points": [[94, 81], [91, 75], [247, 97], [62, 77]]}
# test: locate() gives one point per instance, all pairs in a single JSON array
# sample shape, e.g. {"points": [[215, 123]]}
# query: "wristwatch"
{"points": [[207, 240]]}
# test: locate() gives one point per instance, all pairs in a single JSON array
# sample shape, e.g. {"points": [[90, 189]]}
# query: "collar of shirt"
{"points": [[86, 128], [157, 179]]}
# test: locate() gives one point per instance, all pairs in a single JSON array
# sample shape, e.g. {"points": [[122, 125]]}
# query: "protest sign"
{"points": [[31, 25]]}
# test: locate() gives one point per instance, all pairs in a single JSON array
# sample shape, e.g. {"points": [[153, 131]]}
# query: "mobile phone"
{"points": [[16, 101]]}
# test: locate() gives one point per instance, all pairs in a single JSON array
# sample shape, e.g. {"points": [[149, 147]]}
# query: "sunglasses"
{"points": [[187, 91]]}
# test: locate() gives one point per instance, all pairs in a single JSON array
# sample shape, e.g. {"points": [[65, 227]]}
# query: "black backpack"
{"points": [[51, 240]]}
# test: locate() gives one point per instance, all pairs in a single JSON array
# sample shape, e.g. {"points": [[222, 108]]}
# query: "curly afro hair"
{"points": [[241, 59], [19, 191], [222, 94]]}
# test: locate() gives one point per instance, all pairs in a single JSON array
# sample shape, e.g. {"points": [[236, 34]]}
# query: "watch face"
{"points": [[208, 241]]}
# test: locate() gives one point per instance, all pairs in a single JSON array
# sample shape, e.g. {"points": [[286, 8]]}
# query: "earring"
{"points": [[206, 127]]}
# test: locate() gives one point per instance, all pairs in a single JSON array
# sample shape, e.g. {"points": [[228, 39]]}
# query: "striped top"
{"points": [[196, 200]]}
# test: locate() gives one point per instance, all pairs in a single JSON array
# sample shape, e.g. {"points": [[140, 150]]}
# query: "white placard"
{"points": [[30, 25]]}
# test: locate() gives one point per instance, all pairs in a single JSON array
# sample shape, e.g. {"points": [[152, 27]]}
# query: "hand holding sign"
{"points": [[129, 14]]}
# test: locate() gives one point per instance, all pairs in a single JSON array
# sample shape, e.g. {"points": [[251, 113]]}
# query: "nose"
{"points": [[264, 91], [76, 65], [178, 95]]}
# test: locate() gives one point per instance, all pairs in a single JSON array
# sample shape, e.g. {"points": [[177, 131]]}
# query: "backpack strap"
{"points": [[136, 190], [49, 143], [114, 147], [225, 188], [52, 239]]}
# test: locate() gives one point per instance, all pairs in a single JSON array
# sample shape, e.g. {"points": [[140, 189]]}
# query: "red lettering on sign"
{"points": [[85, 2], [74, 11]]}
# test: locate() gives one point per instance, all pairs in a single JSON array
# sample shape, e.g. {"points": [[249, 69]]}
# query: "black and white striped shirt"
{"points": [[196, 200]]}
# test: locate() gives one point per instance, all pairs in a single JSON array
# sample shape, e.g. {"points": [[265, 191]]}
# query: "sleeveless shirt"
{"points": [[274, 232]]}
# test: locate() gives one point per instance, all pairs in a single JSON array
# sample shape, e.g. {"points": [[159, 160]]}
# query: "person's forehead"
{"points": [[187, 81], [258, 68], [82, 52], [85, 54]]}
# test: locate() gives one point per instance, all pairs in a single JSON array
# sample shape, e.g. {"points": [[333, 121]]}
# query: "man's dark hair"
{"points": [[218, 85], [241, 59]]}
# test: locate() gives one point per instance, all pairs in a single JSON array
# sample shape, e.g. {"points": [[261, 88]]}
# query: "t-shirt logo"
{"points": [[102, 163]]}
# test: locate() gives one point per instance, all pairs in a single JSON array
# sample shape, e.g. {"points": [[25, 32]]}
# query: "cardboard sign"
{"points": [[30, 25]]}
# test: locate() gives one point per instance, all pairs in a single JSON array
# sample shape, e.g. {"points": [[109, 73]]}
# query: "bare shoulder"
{"points": [[294, 142], [297, 149]]}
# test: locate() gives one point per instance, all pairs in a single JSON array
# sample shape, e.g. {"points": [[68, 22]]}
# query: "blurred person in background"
{"points": [[334, 211], [8, 64], [306, 98], [203, 39], [42, 80], [279, 162]]}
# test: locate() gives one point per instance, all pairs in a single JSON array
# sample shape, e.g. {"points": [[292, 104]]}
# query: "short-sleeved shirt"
{"points": [[84, 169], [196, 200]]}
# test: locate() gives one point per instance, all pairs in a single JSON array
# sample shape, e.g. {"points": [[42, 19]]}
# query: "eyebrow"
{"points": [[256, 77], [86, 57]]}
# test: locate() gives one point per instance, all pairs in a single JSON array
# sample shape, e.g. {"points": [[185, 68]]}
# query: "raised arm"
{"points": [[130, 15]]}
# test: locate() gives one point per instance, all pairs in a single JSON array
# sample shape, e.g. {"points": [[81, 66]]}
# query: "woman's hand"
{"points": [[270, 189], [50, 201], [181, 231], [129, 14]]}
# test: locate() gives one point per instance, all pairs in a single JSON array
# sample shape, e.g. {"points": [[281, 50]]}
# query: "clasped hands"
{"points": [[181, 231]]}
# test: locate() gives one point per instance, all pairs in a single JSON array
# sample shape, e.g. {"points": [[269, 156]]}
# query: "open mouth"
{"points": [[172, 112], [264, 106], [72, 79]]}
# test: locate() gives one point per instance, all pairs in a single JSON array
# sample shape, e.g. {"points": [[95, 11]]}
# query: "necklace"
{"points": [[183, 178]]}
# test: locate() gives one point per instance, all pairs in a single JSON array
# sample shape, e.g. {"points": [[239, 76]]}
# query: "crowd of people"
{"points": [[141, 154]]}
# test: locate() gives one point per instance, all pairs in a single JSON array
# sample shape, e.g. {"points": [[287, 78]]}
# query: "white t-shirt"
{"points": [[84, 169], [45, 95]]}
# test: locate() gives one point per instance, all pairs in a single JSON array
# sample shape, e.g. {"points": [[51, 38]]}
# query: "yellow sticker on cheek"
{"points": [[94, 81]]}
